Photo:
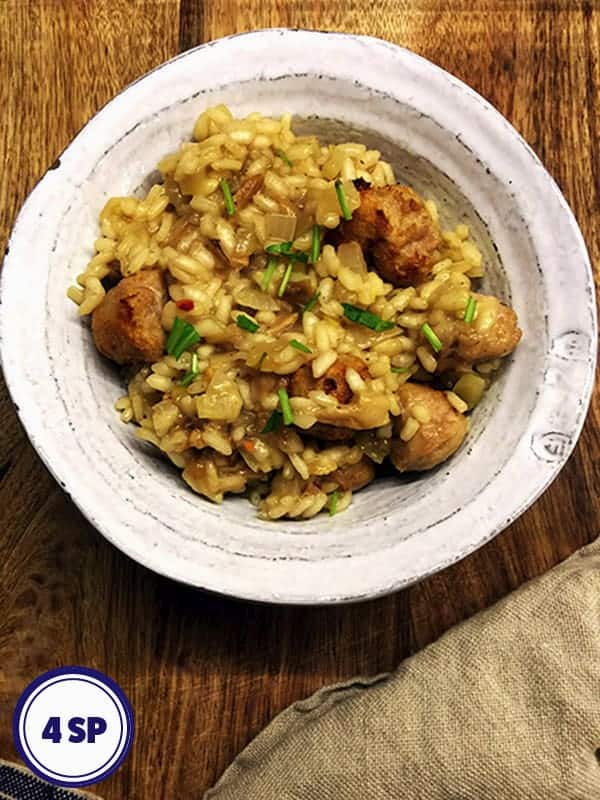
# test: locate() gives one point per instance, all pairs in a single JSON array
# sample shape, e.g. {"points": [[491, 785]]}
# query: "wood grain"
{"points": [[206, 673]]}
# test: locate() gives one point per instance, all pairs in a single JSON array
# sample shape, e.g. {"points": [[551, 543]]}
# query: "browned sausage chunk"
{"points": [[483, 342], [396, 232], [354, 476], [330, 433], [126, 325], [494, 333], [302, 382], [332, 382], [437, 439]]}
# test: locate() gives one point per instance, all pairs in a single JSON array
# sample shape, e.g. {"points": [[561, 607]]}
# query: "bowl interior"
{"points": [[129, 167]]}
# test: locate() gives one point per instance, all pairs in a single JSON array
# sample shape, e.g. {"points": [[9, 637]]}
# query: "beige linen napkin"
{"points": [[506, 706]]}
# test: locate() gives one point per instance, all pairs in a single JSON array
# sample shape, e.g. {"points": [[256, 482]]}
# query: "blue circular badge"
{"points": [[73, 726]]}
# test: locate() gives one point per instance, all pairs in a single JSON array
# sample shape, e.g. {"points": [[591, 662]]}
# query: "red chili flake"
{"points": [[185, 305]]}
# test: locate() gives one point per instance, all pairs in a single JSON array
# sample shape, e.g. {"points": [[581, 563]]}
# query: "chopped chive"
{"points": [[273, 423], [286, 409], [399, 370], [432, 337], [182, 336], [312, 302], [268, 273], [299, 346], [174, 335], [246, 324], [188, 378], [342, 200], [315, 245], [285, 249], [227, 196], [285, 280], [192, 373], [470, 310], [187, 340], [283, 157], [298, 257], [333, 503], [366, 318], [278, 248]]}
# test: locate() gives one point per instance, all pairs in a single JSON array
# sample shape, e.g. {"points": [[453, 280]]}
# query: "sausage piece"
{"points": [[478, 342], [396, 232], [494, 333], [126, 325], [437, 439], [332, 382], [331, 433], [354, 476]]}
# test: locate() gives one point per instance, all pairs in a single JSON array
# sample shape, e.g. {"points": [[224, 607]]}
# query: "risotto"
{"points": [[290, 317]]}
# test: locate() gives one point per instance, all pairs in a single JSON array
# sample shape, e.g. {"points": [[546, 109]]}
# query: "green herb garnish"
{"points": [[268, 273], [273, 423], [432, 337], [285, 280], [299, 346], [342, 200], [312, 302], [298, 257], [227, 196], [315, 245], [470, 310], [246, 324], [192, 373], [182, 336], [400, 369], [333, 503], [286, 409], [285, 249], [283, 157], [279, 248], [175, 333], [366, 318]]}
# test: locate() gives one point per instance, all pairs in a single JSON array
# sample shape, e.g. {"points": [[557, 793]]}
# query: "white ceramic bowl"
{"points": [[450, 144]]}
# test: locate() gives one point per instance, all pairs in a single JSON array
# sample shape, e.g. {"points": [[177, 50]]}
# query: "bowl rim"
{"points": [[215, 584]]}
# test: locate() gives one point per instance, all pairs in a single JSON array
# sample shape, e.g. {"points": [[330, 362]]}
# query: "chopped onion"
{"points": [[192, 184], [372, 446], [328, 204], [271, 357], [352, 195], [253, 297], [351, 256], [305, 219], [333, 166], [246, 243], [470, 388], [280, 227]]}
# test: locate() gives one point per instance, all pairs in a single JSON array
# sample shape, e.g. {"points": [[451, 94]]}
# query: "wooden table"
{"points": [[205, 674]]}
